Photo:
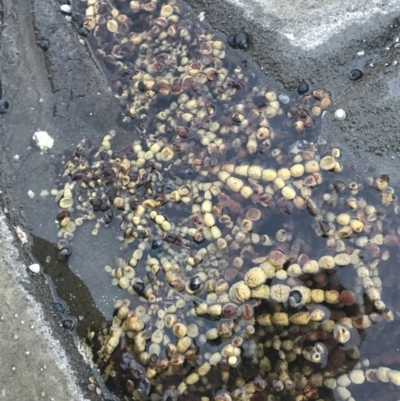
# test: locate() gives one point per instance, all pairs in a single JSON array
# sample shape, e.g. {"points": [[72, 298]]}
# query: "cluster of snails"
{"points": [[234, 228]]}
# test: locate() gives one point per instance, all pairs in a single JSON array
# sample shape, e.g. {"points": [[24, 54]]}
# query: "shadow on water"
{"points": [[69, 287]]}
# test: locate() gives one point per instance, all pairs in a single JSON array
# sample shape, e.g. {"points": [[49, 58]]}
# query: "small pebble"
{"points": [[4, 105], [65, 253], [195, 283], [43, 140], [34, 268], [157, 243], [231, 41], [78, 18], [108, 216], [355, 75], [65, 9], [139, 288], [189, 172], [141, 86], [284, 98], [82, 31], [340, 114], [295, 299], [169, 187], [303, 88], [68, 324], [44, 44], [59, 307], [241, 40]]}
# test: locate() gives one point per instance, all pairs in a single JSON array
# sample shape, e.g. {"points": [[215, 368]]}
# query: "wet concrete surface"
{"points": [[321, 42], [47, 91], [58, 91], [55, 96], [35, 363]]}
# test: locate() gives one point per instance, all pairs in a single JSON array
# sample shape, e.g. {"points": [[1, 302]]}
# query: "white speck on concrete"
{"points": [[66, 8], [340, 114], [43, 140], [35, 268], [361, 53], [31, 194], [21, 235]]}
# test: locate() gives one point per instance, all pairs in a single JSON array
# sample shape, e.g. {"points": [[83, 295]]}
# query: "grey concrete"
{"points": [[306, 40], [47, 92], [312, 24], [321, 42], [34, 365], [60, 91]]}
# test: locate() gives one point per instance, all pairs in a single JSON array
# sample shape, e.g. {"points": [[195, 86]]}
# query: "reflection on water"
{"points": [[252, 265]]}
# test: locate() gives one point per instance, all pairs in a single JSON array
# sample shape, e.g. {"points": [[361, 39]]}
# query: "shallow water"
{"points": [[90, 254]]}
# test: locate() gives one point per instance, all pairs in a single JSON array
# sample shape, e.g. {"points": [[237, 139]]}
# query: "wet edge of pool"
{"points": [[19, 30]]}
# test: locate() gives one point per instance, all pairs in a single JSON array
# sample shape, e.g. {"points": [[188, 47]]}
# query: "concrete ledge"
{"points": [[311, 40], [34, 363], [312, 24]]}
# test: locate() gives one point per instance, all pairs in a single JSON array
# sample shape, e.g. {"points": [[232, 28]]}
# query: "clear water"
{"points": [[377, 344]]}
